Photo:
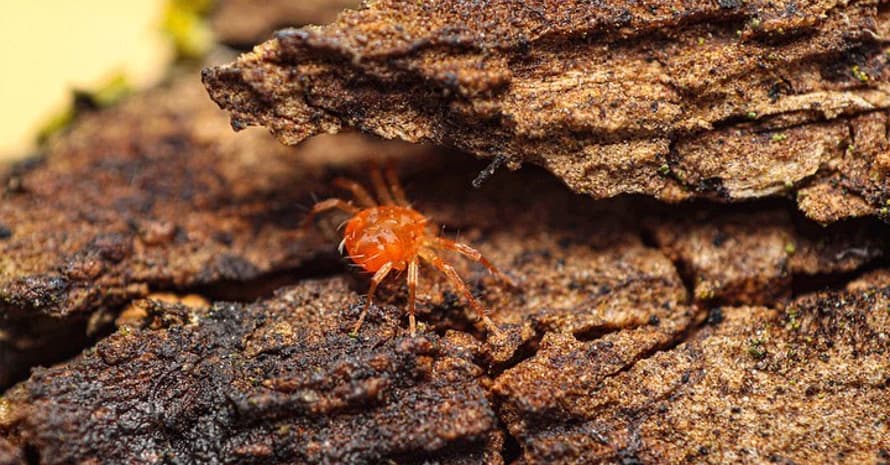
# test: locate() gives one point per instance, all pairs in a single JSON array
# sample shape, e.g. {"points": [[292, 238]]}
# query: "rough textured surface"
{"points": [[605, 357], [99, 222], [750, 257], [247, 22], [275, 382], [601, 285], [809, 385], [279, 379], [728, 100], [156, 193]]}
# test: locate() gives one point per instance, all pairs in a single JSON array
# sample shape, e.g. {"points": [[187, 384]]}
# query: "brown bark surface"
{"points": [[160, 253], [807, 385], [740, 257], [275, 382], [283, 380], [615, 347], [725, 100]]}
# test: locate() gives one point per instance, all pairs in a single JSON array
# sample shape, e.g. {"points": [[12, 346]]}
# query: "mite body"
{"points": [[389, 235]]}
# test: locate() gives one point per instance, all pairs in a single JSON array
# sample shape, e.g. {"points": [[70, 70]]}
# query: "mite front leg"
{"points": [[378, 277], [413, 278], [326, 205], [395, 186], [380, 186], [358, 191]]}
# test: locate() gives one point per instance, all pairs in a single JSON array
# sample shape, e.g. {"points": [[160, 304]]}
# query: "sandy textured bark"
{"points": [[727, 100]]}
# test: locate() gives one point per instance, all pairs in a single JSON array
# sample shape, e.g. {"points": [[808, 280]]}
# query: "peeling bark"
{"points": [[728, 102]]}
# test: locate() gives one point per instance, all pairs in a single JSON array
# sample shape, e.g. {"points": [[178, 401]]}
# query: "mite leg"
{"points": [[413, 278], [378, 277], [380, 186], [472, 254], [329, 204], [458, 284], [395, 186], [359, 192]]}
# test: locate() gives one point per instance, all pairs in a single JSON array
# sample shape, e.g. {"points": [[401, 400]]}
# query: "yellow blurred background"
{"points": [[50, 47]]}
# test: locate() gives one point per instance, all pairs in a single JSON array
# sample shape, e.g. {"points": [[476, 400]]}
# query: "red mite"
{"points": [[390, 235]]}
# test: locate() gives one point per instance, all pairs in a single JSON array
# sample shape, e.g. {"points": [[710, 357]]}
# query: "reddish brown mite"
{"points": [[390, 235]]}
